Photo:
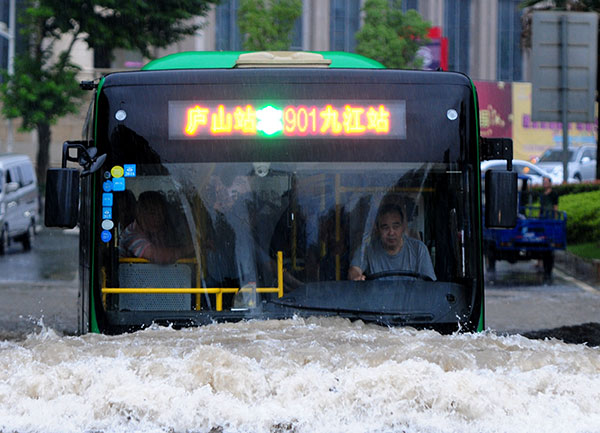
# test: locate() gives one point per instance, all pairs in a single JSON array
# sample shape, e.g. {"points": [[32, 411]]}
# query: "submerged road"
{"points": [[41, 286], [517, 300]]}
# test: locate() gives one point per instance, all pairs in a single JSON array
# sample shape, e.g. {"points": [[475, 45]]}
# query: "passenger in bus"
{"points": [[125, 204], [229, 243], [391, 249], [149, 236], [239, 235], [332, 256]]}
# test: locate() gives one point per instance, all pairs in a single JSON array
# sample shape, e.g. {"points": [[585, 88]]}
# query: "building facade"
{"points": [[483, 42], [483, 35]]}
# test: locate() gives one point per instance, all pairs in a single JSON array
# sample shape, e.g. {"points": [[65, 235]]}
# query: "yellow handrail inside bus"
{"points": [[218, 291]]}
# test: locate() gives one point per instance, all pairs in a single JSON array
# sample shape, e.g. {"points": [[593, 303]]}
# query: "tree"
{"points": [[44, 85], [42, 88], [268, 24], [391, 36]]}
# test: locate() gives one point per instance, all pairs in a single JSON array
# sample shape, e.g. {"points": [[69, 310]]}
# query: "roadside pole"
{"points": [[564, 94]]}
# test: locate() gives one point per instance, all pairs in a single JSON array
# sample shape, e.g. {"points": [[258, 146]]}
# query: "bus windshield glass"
{"points": [[267, 200]]}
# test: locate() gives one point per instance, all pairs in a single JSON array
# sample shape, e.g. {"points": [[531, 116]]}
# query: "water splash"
{"points": [[297, 375]]}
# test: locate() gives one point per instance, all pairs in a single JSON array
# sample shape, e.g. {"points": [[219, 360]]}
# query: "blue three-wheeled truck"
{"points": [[536, 236]]}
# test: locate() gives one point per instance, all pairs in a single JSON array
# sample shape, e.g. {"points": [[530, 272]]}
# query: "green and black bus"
{"points": [[265, 173]]}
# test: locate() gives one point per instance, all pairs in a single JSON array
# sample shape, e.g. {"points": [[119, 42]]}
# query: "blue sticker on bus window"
{"points": [[107, 186], [129, 170], [107, 213], [105, 236], [119, 184], [107, 199]]}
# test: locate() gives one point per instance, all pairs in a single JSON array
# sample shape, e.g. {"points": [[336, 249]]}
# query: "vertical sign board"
{"points": [[548, 69], [564, 60]]}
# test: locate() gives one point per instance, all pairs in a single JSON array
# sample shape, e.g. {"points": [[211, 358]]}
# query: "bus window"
{"points": [[317, 216]]}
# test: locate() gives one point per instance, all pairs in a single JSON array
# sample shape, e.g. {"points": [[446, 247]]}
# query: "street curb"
{"points": [[587, 270]]}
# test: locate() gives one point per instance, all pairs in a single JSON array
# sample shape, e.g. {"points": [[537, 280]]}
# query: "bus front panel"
{"points": [[237, 195]]}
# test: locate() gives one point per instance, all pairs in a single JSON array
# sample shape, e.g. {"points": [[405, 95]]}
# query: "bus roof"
{"points": [[227, 59], [323, 76]]}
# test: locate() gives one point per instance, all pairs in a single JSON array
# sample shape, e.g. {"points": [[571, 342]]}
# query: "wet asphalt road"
{"points": [[40, 286], [518, 300]]}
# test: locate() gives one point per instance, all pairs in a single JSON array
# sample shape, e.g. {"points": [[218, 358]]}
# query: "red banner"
{"points": [[495, 108]]}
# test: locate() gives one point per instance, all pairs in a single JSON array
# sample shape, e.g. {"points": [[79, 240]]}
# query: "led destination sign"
{"points": [[310, 119]]}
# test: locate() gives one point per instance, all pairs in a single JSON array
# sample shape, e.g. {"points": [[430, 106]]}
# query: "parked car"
{"points": [[524, 168], [581, 165], [19, 201]]}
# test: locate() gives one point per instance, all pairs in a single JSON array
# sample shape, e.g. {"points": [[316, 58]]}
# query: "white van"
{"points": [[19, 201]]}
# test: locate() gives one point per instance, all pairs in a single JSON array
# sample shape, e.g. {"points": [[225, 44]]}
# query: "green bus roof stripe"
{"points": [[227, 59], [481, 323]]}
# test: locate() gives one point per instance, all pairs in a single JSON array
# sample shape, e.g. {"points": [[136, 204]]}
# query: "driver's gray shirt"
{"points": [[413, 257]]}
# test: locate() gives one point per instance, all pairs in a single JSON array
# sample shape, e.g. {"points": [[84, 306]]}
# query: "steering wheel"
{"points": [[397, 273]]}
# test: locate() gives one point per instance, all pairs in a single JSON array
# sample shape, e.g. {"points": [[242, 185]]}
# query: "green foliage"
{"points": [[583, 216], [587, 250], [268, 24], [581, 202], [40, 93], [571, 188], [390, 36], [44, 85], [134, 24]]}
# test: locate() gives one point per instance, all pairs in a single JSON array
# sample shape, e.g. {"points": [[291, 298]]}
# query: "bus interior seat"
{"points": [[144, 275]]}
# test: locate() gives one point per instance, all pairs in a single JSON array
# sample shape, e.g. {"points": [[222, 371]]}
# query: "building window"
{"points": [[410, 4], [456, 29], [343, 25], [227, 33], [4, 11], [510, 66], [3, 54], [297, 35]]}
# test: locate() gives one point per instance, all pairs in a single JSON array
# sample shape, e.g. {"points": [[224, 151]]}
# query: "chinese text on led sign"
{"points": [[189, 120]]}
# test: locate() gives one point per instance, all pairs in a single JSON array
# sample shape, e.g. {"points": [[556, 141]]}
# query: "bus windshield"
{"points": [[243, 194], [257, 237]]}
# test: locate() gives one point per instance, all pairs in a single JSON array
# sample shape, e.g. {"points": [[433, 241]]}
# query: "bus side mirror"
{"points": [[500, 199], [62, 197]]}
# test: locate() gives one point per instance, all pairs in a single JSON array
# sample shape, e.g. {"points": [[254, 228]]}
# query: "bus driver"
{"points": [[391, 249]]}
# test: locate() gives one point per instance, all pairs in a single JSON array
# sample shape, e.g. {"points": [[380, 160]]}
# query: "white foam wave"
{"points": [[318, 375]]}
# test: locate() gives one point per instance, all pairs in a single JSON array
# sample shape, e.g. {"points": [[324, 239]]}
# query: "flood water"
{"points": [[298, 375]]}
